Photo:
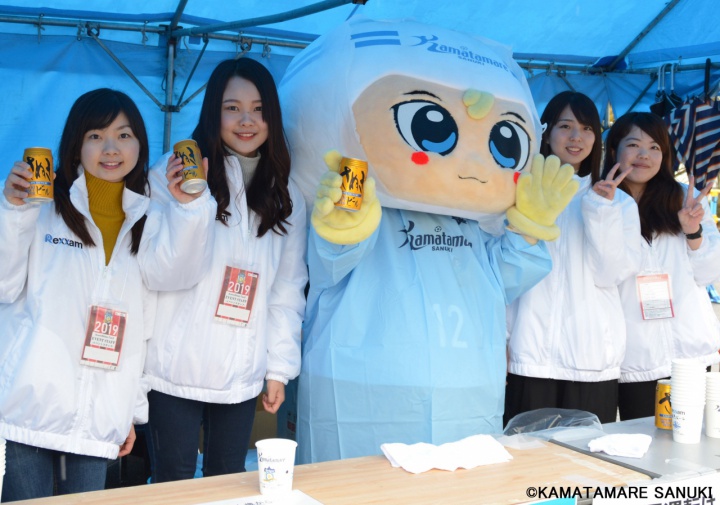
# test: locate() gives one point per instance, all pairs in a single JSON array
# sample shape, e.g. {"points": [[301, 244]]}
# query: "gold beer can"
{"points": [[354, 173], [192, 173], [663, 408], [41, 182]]}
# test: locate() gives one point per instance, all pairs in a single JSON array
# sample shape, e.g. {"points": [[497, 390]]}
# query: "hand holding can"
{"points": [[41, 181], [192, 172], [17, 184], [354, 173]]}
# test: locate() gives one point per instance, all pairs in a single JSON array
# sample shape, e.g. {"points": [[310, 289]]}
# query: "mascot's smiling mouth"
{"points": [[466, 178]]}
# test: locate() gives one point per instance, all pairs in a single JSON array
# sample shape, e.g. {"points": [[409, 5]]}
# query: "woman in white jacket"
{"points": [[566, 341], [216, 345], [680, 256], [75, 309]]}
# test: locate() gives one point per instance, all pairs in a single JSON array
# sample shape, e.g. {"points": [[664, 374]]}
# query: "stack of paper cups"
{"points": [[687, 395], [712, 404], [2, 462]]}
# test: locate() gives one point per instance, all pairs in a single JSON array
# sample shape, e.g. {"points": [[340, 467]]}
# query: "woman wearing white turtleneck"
{"points": [[217, 344]]}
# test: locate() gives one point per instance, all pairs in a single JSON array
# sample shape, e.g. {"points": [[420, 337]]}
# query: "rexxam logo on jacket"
{"points": [[63, 241]]}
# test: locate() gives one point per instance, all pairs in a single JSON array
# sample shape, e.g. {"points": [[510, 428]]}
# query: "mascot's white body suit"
{"points": [[404, 334]]}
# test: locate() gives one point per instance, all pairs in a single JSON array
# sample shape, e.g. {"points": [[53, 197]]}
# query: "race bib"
{"points": [[655, 296], [104, 337], [236, 296]]}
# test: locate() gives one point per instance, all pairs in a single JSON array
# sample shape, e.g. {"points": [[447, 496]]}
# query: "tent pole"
{"points": [[265, 20], [169, 84], [642, 94], [178, 14], [562, 76], [95, 37], [642, 35], [192, 72]]}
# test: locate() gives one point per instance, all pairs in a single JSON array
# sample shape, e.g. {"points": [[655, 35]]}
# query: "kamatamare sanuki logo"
{"points": [[440, 241], [462, 52], [433, 43]]}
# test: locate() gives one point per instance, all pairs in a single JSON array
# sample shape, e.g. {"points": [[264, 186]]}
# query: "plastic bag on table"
{"points": [[556, 424]]}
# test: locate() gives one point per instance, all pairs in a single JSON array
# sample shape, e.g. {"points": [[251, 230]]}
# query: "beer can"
{"points": [[663, 408], [192, 173], [354, 173], [41, 182]]}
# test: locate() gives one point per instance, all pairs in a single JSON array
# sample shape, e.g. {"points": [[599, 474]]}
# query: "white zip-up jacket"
{"points": [[194, 356], [694, 332], [48, 281], [570, 326]]}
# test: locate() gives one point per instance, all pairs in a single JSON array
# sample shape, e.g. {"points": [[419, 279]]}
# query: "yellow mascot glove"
{"points": [[541, 196], [341, 226]]}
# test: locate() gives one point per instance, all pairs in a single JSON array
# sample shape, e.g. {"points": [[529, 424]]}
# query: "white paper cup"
{"points": [[689, 398], [687, 422], [712, 377], [276, 463], [712, 418]]}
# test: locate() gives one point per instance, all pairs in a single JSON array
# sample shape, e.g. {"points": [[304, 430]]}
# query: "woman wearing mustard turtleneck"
{"points": [[76, 308], [105, 202]]}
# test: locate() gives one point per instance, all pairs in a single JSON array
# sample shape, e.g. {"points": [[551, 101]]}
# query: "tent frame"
{"points": [[173, 33]]}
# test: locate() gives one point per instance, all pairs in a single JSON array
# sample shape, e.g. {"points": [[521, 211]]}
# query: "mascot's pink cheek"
{"points": [[419, 158], [516, 177]]}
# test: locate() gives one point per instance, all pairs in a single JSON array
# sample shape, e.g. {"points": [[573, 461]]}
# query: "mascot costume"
{"points": [[404, 333]]}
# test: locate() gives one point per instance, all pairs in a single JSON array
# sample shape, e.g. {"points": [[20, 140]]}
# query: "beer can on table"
{"points": [[663, 409], [193, 173], [41, 182], [354, 173]]}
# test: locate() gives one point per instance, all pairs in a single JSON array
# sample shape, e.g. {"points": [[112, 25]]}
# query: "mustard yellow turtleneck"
{"points": [[105, 199]]}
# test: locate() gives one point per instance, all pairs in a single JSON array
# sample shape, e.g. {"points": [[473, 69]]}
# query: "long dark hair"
{"points": [[586, 113], [96, 110], [662, 198], [267, 194]]}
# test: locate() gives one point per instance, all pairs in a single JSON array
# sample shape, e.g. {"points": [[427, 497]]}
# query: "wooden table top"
{"points": [[372, 480]]}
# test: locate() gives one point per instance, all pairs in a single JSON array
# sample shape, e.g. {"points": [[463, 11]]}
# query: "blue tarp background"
{"points": [[47, 58]]}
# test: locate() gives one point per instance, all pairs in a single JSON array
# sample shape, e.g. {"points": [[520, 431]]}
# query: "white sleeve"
{"points": [[705, 260], [177, 243], [612, 237], [17, 228]]}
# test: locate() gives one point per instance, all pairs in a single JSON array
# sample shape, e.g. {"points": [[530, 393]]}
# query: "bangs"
{"points": [[585, 113], [101, 113]]}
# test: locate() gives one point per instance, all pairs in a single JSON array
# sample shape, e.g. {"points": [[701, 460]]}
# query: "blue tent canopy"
{"points": [[161, 52]]}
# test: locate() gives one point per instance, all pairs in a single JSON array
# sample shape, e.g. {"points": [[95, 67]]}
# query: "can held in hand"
{"points": [[354, 174], [41, 182], [663, 408], [192, 173]]}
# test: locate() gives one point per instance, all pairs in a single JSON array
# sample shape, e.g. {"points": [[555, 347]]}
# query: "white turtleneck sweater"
{"points": [[248, 165]]}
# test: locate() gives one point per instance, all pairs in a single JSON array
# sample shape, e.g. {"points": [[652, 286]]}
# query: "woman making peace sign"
{"points": [[680, 257], [566, 342]]}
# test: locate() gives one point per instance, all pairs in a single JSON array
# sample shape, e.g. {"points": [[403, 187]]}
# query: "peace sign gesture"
{"points": [[692, 211], [606, 187]]}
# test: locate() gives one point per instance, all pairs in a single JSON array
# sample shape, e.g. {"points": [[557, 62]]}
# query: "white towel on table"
{"points": [[466, 453], [622, 444]]}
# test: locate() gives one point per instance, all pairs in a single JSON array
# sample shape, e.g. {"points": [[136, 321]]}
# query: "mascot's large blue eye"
{"points": [[509, 145], [426, 126]]}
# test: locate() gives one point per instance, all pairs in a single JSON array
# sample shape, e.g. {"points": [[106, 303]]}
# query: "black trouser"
{"points": [[174, 430], [637, 399], [523, 394]]}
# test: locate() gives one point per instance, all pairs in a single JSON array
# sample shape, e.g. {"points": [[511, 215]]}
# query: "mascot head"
{"points": [[445, 120]]}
